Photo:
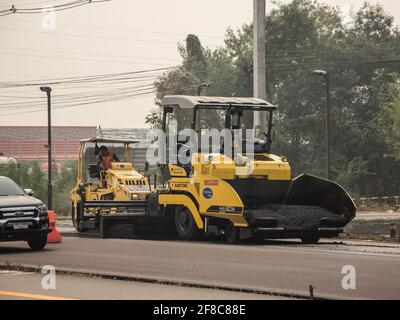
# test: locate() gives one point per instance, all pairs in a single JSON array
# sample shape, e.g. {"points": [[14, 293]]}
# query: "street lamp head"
{"points": [[201, 86], [320, 73], [45, 89]]}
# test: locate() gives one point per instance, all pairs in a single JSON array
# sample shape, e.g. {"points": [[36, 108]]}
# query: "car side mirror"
{"points": [[28, 192]]}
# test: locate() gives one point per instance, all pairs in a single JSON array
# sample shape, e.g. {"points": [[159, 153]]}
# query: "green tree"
{"points": [[194, 59], [64, 181], [181, 81], [38, 181]]}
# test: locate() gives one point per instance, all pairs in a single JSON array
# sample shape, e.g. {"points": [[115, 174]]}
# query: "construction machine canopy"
{"points": [[191, 102], [201, 113], [104, 140], [89, 150]]}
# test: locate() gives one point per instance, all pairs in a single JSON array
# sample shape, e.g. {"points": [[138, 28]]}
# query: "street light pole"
{"points": [[259, 63], [49, 158], [326, 77], [328, 126]]}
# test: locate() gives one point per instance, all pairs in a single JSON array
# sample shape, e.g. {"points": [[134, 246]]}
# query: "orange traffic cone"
{"points": [[54, 235]]}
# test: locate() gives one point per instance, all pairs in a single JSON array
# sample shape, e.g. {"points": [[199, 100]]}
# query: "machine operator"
{"points": [[106, 157]]}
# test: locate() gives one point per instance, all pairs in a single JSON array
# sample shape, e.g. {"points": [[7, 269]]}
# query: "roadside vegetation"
{"points": [[29, 175]]}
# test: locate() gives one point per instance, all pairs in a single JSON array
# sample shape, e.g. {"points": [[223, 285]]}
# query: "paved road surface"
{"points": [[23, 285], [281, 266]]}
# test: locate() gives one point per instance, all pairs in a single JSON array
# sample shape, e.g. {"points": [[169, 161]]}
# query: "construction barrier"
{"points": [[379, 202], [54, 236]]}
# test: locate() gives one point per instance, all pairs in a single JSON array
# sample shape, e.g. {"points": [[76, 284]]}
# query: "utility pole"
{"points": [[202, 86], [325, 75], [49, 159], [259, 64]]}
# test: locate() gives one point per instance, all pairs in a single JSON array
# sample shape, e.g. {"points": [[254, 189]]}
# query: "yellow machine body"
{"points": [[120, 184], [250, 191], [219, 200]]}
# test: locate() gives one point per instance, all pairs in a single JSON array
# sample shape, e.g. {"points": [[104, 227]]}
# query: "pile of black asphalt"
{"points": [[291, 216]]}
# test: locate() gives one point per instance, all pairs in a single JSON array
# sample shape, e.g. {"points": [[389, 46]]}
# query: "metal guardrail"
{"points": [[374, 202]]}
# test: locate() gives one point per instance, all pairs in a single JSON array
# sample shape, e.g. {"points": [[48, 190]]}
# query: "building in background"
{"points": [[26, 143]]}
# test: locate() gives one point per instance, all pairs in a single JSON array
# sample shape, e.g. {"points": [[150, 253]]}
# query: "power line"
{"points": [[65, 80], [273, 53], [78, 96], [77, 59], [28, 3], [102, 77], [87, 53], [107, 88], [313, 57], [344, 63], [85, 100], [74, 96], [92, 36], [126, 29], [80, 104], [60, 7], [97, 37]]}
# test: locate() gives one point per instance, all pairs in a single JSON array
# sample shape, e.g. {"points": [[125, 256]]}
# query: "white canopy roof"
{"points": [[105, 140], [189, 102]]}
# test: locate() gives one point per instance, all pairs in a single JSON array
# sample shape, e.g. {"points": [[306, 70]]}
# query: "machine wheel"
{"points": [[39, 243], [311, 239], [185, 225], [231, 233]]}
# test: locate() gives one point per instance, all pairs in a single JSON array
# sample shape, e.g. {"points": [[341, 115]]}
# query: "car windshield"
{"points": [[9, 188]]}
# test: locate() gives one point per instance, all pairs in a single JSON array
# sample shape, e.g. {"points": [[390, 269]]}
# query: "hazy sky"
{"points": [[110, 37]]}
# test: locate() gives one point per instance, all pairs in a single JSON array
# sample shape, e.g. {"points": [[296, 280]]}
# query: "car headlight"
{"points": [[42, 210]]}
